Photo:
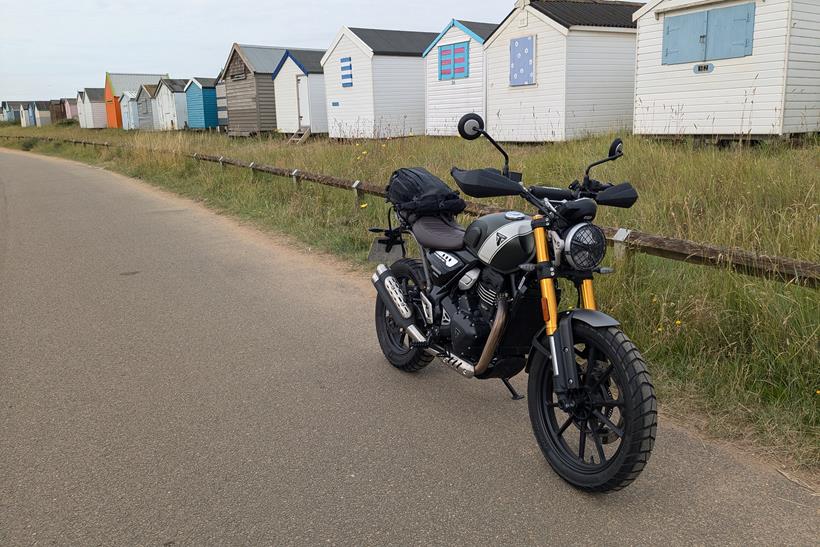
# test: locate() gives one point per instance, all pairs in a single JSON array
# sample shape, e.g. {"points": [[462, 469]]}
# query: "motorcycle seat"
{"points": [[436, 233]]}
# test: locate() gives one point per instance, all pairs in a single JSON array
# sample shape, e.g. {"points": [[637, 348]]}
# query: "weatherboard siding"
{"points": [[398, 91], [743, 95], [221, 105], [802, 102], [349, 109], [530, 113], [145, 114], [201, 105], [447, 100], [240, 94], [287, 108], [596, 58], [318, 103]]}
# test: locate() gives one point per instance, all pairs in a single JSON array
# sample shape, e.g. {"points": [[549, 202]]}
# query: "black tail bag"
{"points": [[415, 192]]}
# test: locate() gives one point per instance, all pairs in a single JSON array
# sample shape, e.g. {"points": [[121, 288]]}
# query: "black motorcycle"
{"points": [[485, 301]]}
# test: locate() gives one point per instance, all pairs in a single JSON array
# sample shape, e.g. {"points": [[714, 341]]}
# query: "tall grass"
{"points": [[739, 355]]}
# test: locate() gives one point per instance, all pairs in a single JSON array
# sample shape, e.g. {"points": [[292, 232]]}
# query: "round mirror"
{"points": [[470, 126], [616, 149]]}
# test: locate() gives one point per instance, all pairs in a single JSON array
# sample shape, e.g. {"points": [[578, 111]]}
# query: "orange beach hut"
{"points": [[116, 84]]}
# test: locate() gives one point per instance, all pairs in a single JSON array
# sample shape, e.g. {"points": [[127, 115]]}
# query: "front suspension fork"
{"points": [[559, 333]]}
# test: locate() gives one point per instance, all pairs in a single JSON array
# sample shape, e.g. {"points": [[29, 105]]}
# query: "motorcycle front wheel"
{"points": [[604, 440]]}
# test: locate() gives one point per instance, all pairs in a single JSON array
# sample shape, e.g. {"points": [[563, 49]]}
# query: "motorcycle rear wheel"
{"points": [[604, 442], [395, 344]]}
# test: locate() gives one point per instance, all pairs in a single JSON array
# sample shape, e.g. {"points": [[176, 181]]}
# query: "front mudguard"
{"points": [[540, 342]]}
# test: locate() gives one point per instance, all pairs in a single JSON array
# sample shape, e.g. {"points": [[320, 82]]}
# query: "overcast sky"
{"points": [[53, 48]]}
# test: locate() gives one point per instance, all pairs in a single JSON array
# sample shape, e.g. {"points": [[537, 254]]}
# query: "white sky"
{"points": [[50, 49]]}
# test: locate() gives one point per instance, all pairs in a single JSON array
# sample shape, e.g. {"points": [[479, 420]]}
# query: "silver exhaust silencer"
{"points": [[390, 293]]}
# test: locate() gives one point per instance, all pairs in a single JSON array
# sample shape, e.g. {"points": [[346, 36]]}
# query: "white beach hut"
{"points": [[128, 109], [728, 68], [454, 69], [374, 83], [561, 69], [91, 108], [299, 86], [171, 104]]}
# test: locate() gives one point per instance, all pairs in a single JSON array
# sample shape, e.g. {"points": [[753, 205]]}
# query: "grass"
{"points": [[737, 355]]}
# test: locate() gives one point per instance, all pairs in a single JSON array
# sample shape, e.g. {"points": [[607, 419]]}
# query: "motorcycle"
{"points": [[485, 301]]}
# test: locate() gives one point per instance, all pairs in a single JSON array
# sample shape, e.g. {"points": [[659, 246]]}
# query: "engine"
{"points": [[470, 313]]}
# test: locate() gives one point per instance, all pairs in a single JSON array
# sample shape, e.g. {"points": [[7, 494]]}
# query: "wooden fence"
{"points": [[772, 267]]}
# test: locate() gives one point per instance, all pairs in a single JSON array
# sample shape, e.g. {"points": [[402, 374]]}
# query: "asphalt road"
{"points": [[168, 376]]}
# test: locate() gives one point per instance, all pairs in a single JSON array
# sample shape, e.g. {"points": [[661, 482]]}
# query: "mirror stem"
{"points": [[506, 170]]}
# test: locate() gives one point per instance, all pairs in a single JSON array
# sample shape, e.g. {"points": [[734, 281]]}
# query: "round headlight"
{"points": [[584, 246]]}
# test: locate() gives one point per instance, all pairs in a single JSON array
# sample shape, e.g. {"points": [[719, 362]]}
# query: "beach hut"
{"points": [[374, 83], [171, 105], [70, 108], [221, 103], [27, 115], [56, 110], [249, 88], [42, 114], [454, 70], [728, 68], [561, 69], [81, 108], [147, 113], [299, 85], [115, 85], [200, 98], [128, 109], [93, 107], [11, 110]]}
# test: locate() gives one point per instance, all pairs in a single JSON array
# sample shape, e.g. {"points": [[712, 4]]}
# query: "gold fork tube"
{"points": [[588, 295], [549, 301]]}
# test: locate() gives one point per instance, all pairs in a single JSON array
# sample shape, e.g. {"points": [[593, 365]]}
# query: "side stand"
{"points": [[515, 395]]}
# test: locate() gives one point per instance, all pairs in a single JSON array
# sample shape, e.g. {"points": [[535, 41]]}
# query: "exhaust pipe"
{"points": [[402, 313], [392, 297], [467, 369]]}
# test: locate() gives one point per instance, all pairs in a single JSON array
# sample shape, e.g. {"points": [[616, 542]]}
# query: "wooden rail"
{"points": [[772, 267]]}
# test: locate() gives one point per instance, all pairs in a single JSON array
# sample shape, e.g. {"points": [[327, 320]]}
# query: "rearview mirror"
{"points": [[470, 126], [616, 149]]}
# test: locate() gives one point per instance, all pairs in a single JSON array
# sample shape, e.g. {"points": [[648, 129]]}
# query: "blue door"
{"points": [[730, 32]]}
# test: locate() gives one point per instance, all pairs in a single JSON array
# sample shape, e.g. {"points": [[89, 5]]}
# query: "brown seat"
{"points": [[437, 233]]}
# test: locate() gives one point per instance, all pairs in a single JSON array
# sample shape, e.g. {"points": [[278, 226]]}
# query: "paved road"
{"points": [[170, 377]]}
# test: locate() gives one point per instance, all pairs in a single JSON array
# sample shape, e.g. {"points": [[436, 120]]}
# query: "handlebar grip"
{"points": [[553, 194]]}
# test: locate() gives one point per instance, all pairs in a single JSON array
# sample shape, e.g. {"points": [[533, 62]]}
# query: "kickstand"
{"points": [[515, 395]]}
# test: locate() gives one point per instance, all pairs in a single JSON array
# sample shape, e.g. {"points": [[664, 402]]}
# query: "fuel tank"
{"points": [[502, 240]]}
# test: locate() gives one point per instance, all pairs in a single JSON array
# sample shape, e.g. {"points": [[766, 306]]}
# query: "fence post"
{"points": [[357, 194], [221, 165], [294, 175], [619, 245]]}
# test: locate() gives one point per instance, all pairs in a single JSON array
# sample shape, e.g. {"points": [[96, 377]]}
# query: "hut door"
{"points": [[302, 101]]}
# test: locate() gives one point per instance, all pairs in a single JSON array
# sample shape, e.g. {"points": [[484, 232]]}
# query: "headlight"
{"points": [[584, 246]]}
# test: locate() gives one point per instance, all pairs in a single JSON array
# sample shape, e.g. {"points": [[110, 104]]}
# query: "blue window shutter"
{"points": [[684, 38], [522, 67], [346, 67], [461, 60], [730, 32], [445, 62]]}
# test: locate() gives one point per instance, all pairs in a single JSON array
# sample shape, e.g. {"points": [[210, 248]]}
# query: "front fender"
{"points": [[593, 318]]}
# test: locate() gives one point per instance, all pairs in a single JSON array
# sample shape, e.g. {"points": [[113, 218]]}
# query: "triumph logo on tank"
{"points": [[500, 238]]}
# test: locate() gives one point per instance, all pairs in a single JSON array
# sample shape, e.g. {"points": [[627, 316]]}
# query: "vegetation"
{"points": [[738, 356]]}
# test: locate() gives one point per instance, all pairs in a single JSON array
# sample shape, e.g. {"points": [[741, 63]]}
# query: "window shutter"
{"points": [[461, 60], [730, 32], [445, 62], [522, 61], [684, 38], [346, 66]]}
